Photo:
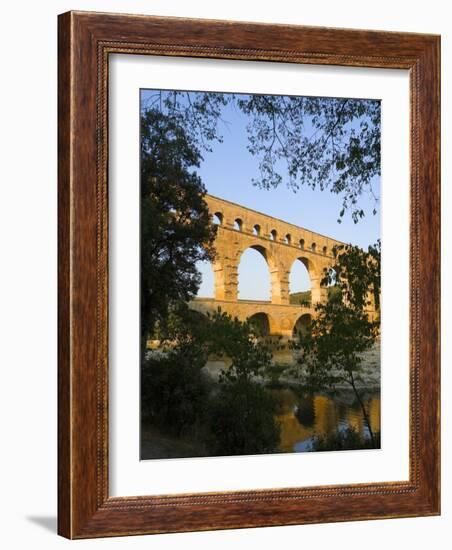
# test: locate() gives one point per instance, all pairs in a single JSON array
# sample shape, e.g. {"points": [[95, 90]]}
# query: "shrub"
{"points": [[242, 419], [174, 389], [344, 440]]}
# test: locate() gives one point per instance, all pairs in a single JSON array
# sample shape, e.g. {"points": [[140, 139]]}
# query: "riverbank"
{"points": [[368, 380], [301, 418], [155, 445]]}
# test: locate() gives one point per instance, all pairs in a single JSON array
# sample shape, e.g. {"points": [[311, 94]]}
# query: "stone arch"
{"points": [[318, 293], [309, 264], [264, 253], [302, 324], [263, 250], [278, 242], [278, 277], [257, 230], [217, 218], [300, 281], [238, 224], [261, 323]]}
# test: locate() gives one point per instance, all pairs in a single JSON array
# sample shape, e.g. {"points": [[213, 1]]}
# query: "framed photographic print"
{"points": [[248, 275]]}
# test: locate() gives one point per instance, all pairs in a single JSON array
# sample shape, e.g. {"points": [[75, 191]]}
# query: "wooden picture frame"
{"points": [[86, 40]]}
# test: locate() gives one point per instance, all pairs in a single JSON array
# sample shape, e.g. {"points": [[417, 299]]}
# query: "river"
{"points": [[303, 418]]}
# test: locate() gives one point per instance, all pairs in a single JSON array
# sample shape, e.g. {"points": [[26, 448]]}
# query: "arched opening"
{"points": [[300, 283], [254, 281], [313, 247], [238, 224], [217, 218], [273, 235], [207, 286], [302, 244], [325, 250], [288, 239], [260, 324], [302, 325], [257, 230]]}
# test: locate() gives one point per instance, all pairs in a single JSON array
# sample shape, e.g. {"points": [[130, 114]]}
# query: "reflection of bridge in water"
{"points": [[281, 244]]}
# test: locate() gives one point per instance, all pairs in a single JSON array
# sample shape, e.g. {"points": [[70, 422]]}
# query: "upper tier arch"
{"points": [[279, 251]]}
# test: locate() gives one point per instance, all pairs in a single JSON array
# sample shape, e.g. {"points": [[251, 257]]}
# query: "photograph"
{"points": [[260, 254]]}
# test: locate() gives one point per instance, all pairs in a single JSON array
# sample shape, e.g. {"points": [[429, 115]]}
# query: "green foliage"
{"points": [[237, 340], [356, 274], [234, 416], [176, 230], [344, 440], [322, 142], [274, 372], [197, 114], [242, 411], [174, 390], [333, 293], [331, 352], [243, 418]]}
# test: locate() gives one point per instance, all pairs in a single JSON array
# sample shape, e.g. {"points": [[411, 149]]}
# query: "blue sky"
{"points": [[227, 172]]}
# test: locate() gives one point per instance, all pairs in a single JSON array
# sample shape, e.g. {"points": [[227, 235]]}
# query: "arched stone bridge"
{"points": [[281, 244]]}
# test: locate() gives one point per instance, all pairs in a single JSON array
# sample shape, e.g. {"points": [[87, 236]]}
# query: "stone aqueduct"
{"points": [[281, 244]]}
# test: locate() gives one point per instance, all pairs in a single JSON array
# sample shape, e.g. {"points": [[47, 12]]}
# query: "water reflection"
{"points": [[302, 418]]}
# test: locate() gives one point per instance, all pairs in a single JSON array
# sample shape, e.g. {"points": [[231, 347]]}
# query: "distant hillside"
{"points": [[304, 298], [300, 298]]}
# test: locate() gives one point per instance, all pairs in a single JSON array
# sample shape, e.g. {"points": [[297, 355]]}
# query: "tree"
{"points": [[331, 352], [235, 416], [174, 389], [242, 411], [176, 229], [356, 274], [239, 341], [324, 142], [177, 232], [330, 143], [242, 419]]}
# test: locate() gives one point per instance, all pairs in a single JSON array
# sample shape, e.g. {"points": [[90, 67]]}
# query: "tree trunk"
{"points": [[363, 408]]}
